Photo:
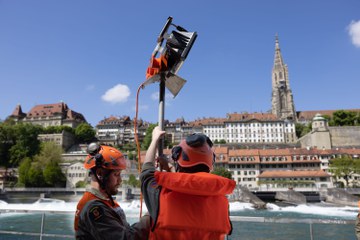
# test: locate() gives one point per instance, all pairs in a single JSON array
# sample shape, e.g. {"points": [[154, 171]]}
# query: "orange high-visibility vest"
{"points": [[88, 196], [192, 206]]}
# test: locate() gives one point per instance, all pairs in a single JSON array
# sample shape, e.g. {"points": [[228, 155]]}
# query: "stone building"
{"points": [[111, 130], [324, 137], [237, 128], [175, 131], [259, 128], [306, 117], [278, 169], [46, 115], [75, 173], [282, 98], [63, 139], [319, 137], [57, 114], [119, 130]]}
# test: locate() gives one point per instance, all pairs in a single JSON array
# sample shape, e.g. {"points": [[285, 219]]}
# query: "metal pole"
{"points": [[42, 225], [311, 232], [161, 112]]}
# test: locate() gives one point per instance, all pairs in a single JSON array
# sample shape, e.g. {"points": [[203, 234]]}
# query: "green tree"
{"points": [[23, 172], [128, 147], [36, 177], [84, 133], [50, 157], [44, 169], [343, 167], [221, 171], [133, 181], [328, 119], [58, 129], [26, 142], [344, 118], [50, 152], [148, 136], [7, 140], [132, 155], [298, 129], [301, 129], [53, 175]]}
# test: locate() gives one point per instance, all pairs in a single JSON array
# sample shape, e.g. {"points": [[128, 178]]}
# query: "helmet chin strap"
{"points": [[102, 184]]}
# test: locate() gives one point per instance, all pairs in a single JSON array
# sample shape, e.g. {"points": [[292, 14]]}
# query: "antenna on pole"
{"points": [[165, 62]]}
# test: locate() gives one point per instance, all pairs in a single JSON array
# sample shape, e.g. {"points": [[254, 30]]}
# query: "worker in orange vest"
{"points": [[357, 224], [189, 203], [98, 215]]}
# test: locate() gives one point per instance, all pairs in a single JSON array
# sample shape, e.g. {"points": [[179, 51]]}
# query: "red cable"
{"points": [[137, 140]]}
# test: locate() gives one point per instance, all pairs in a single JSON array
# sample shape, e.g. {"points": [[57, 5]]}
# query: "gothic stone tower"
{"points": [[282, 99]]}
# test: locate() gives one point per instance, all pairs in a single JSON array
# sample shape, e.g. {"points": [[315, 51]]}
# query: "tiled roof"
{"points": [[114, 119], [180, 120], [352, 151], [220, 150], [47, 110], [292, 174], [243, 152], [18, 112], [207, 121], [274, 152], [72, 115], [227, 152], [244, 117], [50, 110]]}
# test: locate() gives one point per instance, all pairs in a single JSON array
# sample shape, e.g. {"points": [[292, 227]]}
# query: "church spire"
{"points": [[282, 99], [278, 60]]}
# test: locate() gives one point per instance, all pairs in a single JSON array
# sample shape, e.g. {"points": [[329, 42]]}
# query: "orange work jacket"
{"points": [[192, 206]]}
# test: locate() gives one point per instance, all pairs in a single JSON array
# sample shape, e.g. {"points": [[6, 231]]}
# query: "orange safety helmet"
{"points": [[194, 150], [104, 157]]}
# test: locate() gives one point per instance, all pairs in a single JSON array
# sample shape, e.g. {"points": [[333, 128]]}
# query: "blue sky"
{"points": [[93, 55]]}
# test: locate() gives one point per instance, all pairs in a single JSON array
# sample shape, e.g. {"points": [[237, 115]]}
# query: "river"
{"points": [[282, 222]]}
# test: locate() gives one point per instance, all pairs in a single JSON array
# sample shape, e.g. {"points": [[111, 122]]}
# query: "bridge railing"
{"points": [[44, 189], [281, 221]]}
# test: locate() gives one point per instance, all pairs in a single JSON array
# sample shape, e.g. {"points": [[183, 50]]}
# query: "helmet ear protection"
{"points": [[175, 153]]}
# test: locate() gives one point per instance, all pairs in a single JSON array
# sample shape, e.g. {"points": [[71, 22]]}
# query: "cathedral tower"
{"points": [[282, 99]]}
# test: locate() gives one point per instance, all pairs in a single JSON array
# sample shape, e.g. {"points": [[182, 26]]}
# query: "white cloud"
{"points": [[354, 32], [117, 94]]}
